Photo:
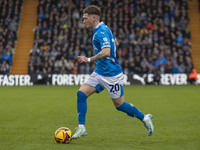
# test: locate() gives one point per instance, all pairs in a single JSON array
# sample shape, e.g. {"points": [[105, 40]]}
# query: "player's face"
{"points": [[88, 20]]}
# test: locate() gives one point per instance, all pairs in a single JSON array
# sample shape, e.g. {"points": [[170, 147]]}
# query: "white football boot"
{"points": [[148, 124], [81, 131]]}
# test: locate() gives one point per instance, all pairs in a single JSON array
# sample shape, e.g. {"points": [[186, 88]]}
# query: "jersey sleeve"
{"points": [[103, 39]]}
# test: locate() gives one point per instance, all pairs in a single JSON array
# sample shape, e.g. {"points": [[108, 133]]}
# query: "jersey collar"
{"points": [[96, 28]]}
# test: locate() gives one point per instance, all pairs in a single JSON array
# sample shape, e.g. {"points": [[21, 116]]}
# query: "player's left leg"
{"points": [[83, 93], [90, 86], [132, 111]]}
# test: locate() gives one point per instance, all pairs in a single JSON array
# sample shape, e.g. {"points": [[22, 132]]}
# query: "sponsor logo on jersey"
{"points": [[105, 39]]}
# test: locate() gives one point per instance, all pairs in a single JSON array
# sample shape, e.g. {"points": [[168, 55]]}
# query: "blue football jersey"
{"points": [[103, 37]]}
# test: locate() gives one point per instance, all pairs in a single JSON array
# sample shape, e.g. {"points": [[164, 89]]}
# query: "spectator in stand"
{"points": [[175, 68], [193, 76]]}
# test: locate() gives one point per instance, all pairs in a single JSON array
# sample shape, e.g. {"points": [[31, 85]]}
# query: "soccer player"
{"points": [[107, 74]]}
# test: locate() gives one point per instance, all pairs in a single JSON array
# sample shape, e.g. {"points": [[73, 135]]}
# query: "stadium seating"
{"points": [[154, 36], [10, 11], [194, 15]]}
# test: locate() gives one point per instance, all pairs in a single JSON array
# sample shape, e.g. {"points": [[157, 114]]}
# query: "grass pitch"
{"points": [[30, 116]]}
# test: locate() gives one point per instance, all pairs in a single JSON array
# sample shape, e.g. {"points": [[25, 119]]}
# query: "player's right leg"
{"points": [[148, 124], [132, 111], [82, 95], [115, 88]]}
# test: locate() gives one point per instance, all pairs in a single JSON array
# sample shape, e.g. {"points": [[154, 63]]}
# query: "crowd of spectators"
{"points": [[10, 11], [154, 36]]}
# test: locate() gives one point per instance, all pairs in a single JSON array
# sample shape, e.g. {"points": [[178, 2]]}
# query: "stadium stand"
{"points": [[154, 36], [194, 25], [10, 11], [25, 37]]}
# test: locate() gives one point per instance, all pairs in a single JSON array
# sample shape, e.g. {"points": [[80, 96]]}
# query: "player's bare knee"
{"points": [[118, 101], [116, 104], [87, 89], [82, 88]]}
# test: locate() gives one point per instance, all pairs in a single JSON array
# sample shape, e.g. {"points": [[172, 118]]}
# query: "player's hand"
{"points": [[82, 59]]}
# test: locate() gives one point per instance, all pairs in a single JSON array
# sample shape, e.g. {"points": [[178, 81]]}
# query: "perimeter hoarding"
{"points": [[78, 79]]}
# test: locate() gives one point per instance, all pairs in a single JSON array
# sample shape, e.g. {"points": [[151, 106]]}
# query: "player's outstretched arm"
{"points": [[105, 52]]}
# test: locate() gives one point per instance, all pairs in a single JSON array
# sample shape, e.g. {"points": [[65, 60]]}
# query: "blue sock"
{"points": [[81, 107], [131, 110]]}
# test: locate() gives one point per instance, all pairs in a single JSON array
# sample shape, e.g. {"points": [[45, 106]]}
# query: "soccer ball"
{"points": [[63, 135]]}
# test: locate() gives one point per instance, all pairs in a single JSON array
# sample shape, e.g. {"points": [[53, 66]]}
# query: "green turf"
{"points": [[30, 115]]}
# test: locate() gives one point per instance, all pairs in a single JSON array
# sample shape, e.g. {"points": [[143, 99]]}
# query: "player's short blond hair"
{"points": [[92, 10]]}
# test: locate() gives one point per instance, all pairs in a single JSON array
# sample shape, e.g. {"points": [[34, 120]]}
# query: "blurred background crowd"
{"points": [[154, 35], [9, 21]]}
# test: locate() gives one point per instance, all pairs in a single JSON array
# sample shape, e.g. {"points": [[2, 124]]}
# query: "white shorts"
{"points": [[114, 85]]}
